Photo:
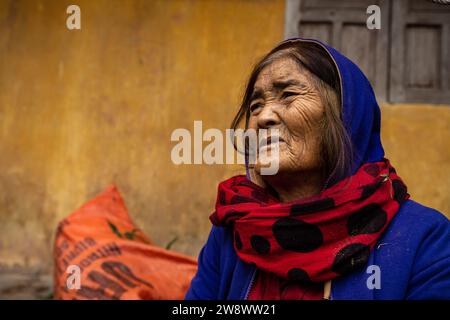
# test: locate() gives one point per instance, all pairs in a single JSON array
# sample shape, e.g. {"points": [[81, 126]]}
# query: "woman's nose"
{"points": [[268, 118]]}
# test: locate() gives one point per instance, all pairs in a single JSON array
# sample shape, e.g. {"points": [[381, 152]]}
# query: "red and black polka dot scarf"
{"points": [[314, 239]]}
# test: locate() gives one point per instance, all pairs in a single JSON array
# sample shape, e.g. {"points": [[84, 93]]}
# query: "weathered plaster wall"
{"points": [[85, 108]]}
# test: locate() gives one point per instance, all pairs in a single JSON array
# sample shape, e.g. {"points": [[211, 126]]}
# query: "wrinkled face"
{"points": [[285, 98]]}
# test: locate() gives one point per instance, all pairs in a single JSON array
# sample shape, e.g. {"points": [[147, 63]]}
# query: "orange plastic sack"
{"points": [[99, 244]]}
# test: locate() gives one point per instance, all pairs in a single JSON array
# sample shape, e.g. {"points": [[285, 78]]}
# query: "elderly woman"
{"points": [[335, 221]]}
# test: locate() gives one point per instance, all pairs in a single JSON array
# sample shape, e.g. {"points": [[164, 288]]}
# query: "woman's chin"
{"points": [[271, 168]]}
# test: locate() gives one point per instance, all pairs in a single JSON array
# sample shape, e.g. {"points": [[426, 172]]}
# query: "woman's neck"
{"points": [[296, 186]]}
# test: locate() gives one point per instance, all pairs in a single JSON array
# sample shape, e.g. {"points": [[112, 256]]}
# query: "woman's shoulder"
{"points": [[415, 226], [413, 256], [420, 217], [422, 235]]}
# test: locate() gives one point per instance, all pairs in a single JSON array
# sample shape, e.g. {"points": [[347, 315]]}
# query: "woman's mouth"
{"points": [[270, 141]]}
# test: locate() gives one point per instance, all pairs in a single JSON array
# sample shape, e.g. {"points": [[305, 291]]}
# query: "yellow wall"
{"points": [[416, 138], [82, 109]]}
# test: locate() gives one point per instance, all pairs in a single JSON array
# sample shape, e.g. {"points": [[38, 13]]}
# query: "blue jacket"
{"points": [[412, 258]]}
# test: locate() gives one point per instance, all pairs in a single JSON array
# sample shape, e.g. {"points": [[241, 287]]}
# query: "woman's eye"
{"points": [[255, 106], [287, 94]]}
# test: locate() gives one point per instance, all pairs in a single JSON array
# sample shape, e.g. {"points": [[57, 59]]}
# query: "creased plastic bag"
{"points": [[100, 254]]}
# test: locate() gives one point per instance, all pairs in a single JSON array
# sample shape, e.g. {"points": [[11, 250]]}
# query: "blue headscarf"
{"points": [[361, 113]]}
